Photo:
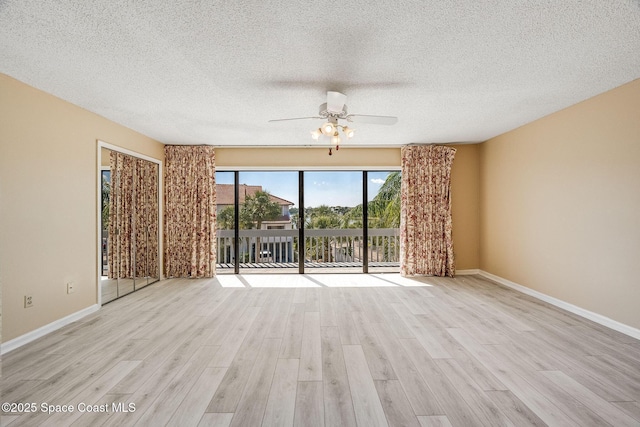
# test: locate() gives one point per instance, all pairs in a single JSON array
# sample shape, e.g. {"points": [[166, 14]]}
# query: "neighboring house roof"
{"points": [[224, 194]]}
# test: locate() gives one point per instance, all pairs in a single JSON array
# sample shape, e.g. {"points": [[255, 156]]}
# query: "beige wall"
{"points": [[560, 205], [465, 206], [48, 199], [307, 157]]}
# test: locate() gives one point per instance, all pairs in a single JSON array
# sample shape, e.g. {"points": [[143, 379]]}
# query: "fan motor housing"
{"points": [[326, 113]]}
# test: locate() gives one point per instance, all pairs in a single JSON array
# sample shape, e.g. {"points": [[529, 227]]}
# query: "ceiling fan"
{"points": [[334, 110]]}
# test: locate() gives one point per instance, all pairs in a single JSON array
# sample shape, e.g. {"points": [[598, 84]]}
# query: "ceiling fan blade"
{"points": [[374, 120], [335, 101], [296, 118]]}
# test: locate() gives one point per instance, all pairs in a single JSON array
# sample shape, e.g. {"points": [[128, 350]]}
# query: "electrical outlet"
{"points": [[28, 301], [70, 287]]}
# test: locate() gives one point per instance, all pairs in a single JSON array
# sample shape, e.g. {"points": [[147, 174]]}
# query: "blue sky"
{"points": [[336, 188]]}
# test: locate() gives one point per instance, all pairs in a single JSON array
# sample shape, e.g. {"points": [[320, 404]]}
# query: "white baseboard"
{"points": [[46, 329], [595, 317], [467, 272]]}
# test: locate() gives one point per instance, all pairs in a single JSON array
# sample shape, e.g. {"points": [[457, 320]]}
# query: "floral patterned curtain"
{"points": [[133, 217], [190, 211], [121, 215], [425, 219], [146, 218]]}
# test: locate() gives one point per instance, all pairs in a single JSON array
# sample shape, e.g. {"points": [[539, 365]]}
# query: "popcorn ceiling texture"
{"points": [[214, 72]]}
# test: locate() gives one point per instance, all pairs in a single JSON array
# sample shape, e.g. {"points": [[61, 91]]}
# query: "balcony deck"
{"points": [[259, 265]]}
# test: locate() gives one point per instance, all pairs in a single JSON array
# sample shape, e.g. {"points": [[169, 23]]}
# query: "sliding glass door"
{"points": [[307, 221]]}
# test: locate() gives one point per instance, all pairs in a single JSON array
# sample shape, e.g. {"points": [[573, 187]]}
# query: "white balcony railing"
{"points": [[323, 247]]}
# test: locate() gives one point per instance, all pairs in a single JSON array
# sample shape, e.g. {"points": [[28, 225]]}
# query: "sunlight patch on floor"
{"points": [[398, 280], [229, 281], [279, 281], [316, 281]]}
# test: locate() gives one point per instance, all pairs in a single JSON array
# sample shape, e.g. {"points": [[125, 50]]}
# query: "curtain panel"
{"points": [[133, 217], [190, 211], [425, 220], [121, 215], [146, 218]]}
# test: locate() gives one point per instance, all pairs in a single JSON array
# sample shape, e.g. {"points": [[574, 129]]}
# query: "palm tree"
{"points": [[256, 209], [324, 217], [385, 206], [226, 221], [384, 212], [225, 218]]}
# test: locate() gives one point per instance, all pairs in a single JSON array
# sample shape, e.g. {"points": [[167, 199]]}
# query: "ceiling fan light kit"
{"points": [[333, 110], [315, 134], [348, 131], [329, 128]]}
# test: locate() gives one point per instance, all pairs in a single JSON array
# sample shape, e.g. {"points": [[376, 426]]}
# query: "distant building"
{"points": [[272, 248], [225, 198]]}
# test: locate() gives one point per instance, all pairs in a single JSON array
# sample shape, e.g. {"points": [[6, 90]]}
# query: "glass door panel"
{"points": [[225, 222], [108, 282], [140, 226], [268, 229], [333, 221], [152, 200], [383, 208], [146, 223], [122, 231]]}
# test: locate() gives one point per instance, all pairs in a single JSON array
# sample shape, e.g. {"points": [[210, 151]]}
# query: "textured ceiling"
{"points": [[214, 72]]}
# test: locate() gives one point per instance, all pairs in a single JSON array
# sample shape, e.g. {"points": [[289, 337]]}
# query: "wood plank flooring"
{"points": [[340, 350]]}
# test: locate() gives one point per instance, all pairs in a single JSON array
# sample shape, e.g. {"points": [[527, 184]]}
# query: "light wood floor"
{"points": [[425, 352]]}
